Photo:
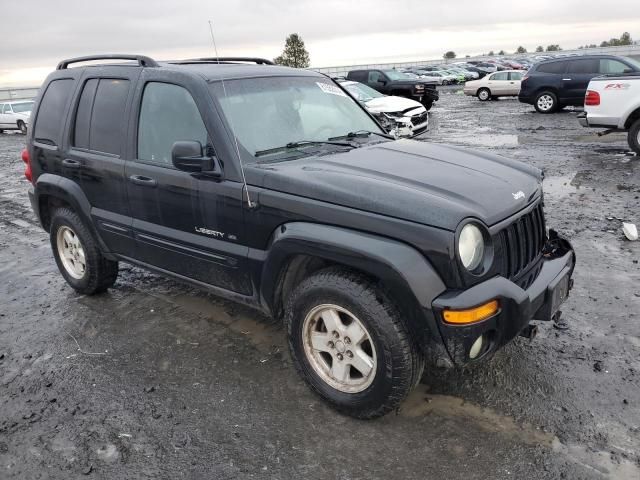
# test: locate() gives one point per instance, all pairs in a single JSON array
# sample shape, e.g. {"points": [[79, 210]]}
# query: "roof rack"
{"points": [[258, 61], [142, 60]]}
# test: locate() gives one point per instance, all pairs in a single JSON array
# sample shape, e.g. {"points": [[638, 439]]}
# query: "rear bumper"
{"points": [[526, 98], [517, 306], [593, 120]]}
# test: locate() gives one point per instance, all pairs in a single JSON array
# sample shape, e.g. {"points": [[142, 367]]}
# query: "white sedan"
{"points": [[14, 115], [398, 115], [500, 84]]}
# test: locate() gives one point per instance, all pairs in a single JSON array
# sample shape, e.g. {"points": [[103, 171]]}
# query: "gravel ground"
{"points": [[158, 380]]}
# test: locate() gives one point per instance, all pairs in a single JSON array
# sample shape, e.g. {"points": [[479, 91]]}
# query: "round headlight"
{"points": [[471, 246]]}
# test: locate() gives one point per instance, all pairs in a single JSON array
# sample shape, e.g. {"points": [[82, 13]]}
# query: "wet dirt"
{"points": [[155, 379]]}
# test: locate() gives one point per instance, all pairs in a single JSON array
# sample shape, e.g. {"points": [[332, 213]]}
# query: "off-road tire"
{"points": [[484, 94], [100, 273], [634, 136], [546, 95], [428, 106], [399, 362], [22, 127]]}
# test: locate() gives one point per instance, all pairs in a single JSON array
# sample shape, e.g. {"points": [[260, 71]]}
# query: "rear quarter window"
{"points": [[50, 117], [553, 67], [100, 116]]}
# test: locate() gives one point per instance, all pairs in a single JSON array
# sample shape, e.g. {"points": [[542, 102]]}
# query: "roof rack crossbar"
{"points": [[142, 60], [256, 60]]}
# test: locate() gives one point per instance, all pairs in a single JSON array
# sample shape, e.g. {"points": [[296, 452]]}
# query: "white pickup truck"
{"points": [[613, 102]]}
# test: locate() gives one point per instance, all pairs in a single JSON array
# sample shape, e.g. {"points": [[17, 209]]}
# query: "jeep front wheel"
{"points": [[78, 255], [349, 343]]}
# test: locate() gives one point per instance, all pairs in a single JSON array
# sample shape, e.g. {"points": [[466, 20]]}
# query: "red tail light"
{"points": [[592, 98], [27, 162]]}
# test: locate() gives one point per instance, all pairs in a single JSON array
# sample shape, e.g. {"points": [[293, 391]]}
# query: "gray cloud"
{"points": [[52, 30]]}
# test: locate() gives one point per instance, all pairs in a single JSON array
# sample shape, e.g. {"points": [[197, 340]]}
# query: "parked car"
{"points": [[392, 82], [553, 84], [499, 84], [15, 114], [278, 190], [398, 115], [613, 102], [432, 76]]}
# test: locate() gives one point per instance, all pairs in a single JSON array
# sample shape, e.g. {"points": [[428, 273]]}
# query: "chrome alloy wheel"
{"points": [[71, 252], [339, 348], [545, 103]]}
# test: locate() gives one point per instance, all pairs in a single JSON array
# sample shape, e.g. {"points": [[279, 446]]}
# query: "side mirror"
{"points": [[628, 70], [382, 82], [187, 155]]}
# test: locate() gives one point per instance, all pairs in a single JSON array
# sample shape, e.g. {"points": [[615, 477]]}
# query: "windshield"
{"points": [[395, 75], [362, 92], [267, 113], [22, 107]]}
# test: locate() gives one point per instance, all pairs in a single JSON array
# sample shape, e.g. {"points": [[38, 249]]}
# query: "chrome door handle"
{"points": [[567, 79]]}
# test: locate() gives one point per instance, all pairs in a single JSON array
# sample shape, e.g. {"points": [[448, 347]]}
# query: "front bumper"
{"points": [[517, 306]]}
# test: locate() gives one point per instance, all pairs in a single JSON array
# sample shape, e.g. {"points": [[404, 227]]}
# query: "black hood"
{"points": [[420, 182]]}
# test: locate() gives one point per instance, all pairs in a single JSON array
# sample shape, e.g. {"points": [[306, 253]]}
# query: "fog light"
{"points": [[476, 348]]}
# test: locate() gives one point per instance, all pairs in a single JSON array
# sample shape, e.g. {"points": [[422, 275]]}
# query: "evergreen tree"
{"points": [[295, 54]]}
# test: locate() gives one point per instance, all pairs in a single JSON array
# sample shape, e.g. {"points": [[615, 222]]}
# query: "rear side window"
{"points": [[100, 115], [584, 65], [6, 108], [553, 67], [515, 75], [168, 114], [49, 122], [608, 65]]}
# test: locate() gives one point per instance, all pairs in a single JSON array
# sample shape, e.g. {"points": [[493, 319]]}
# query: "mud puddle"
{"points": [[421, 403]]}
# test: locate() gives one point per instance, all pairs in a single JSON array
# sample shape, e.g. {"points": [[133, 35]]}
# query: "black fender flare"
{"points": [[400, 267], [70, 192]]}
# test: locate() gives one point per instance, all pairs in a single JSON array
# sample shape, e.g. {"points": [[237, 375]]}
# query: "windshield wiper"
{"points": [[303, 143], [362, 134]]}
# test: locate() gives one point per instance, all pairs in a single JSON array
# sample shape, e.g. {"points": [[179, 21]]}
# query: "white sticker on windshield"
{"points": [[332, 89]]}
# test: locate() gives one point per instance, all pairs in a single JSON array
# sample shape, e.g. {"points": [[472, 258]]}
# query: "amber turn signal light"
{"points": [[471, 315]]}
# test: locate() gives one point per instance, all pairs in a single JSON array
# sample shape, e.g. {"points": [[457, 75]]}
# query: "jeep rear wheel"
{"points": [[78, 255], [546, 102], [349, 343], [22, 126], [634, 137], [484, 94]]}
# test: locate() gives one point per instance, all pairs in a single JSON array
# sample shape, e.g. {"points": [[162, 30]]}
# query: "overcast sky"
{"points": [[41, 32]]}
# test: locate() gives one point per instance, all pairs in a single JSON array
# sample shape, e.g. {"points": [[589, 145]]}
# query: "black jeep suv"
{"points": [[392, 82], [553, 84], [273, 187]]}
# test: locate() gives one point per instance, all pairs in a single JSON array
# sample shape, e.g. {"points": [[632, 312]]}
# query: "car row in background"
{"points": [[14, 115]]}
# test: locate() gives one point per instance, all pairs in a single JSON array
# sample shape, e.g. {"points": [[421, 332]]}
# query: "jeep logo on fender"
{"points": [[518, 195], [211, 233]]}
